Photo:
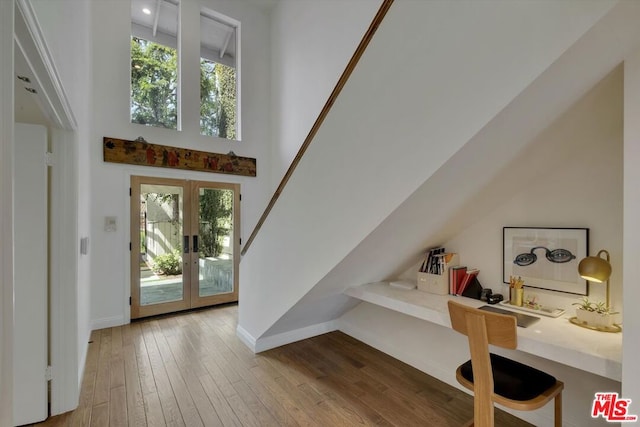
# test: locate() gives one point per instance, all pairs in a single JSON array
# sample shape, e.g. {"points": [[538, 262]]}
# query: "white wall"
{"points": [[631, 213], [6, 212], [391, 129], [311, 45], [110, 275], [577, 159]]}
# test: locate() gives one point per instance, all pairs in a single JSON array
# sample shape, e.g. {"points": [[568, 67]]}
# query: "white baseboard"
{"points": [[108, 322], [273, 341], [246, 338], [84, 344]]}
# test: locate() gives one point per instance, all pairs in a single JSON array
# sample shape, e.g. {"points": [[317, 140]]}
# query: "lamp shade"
{"points": [[594, 269]]}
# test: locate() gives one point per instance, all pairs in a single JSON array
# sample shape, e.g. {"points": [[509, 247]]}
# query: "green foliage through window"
{"points": [[217, 100], [216, 220], [154, 87], [168, 264], [154, 76]]}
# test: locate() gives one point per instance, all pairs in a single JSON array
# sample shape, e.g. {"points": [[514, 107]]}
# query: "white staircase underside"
{"points": [[441, 110]]}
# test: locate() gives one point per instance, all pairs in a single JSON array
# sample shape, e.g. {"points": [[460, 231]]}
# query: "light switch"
{"points": [[109, 223], [84, 245]]}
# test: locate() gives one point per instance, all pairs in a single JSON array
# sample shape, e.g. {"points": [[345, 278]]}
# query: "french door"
{"points": [[184, 244]]}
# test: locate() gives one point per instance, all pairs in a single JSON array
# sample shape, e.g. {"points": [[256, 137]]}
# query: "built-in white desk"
{"points": [[555, 339]]}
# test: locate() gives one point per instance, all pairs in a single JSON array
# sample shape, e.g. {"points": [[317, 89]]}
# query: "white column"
{"points": [[631, 227], [189, 72], [6, 215]]}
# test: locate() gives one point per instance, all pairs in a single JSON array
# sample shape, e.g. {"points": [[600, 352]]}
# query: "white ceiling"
{"points": [[162, 21], [265, 5], [166, 11]]}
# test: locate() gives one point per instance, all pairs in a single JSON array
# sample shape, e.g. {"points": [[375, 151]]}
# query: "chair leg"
{"points": [[558, 410], [483, 411]]}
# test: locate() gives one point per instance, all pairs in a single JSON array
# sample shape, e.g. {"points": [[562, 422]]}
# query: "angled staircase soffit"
{"points": [[372, 256]]}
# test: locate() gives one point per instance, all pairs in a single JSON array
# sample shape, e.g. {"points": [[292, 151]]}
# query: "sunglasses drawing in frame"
{"points": [[558, 256]]}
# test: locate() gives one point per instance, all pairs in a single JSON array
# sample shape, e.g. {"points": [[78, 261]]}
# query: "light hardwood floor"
{"points": [[190, 369]]}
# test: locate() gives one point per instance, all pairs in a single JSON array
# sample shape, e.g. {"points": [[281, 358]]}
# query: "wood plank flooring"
{"points": [[190, 369]]}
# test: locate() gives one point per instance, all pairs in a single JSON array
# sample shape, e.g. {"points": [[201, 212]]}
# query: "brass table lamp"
{"points": [[597, 269]]}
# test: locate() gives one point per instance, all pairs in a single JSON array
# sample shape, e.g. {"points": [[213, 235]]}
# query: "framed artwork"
{"points": [[546, 258]]}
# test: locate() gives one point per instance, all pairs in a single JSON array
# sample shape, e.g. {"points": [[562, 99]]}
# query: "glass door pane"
{"points": [[161, 231], [215, 220], [215, 223], [158, 252]]}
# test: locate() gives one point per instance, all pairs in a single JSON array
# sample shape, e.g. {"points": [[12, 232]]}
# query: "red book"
{"points": [[466, 280], [451, 279], [455, 278]]}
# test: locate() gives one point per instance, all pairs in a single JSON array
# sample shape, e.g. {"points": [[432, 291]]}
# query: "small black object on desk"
{"points": [[474, 290], [494, 298]]}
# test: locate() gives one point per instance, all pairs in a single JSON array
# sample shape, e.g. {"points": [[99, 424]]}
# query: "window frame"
{"points": [[231, 22], [166, 39]]}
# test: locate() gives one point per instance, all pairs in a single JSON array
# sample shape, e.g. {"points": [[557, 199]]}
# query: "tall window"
{"points": [[218, 75], [154, 63], [153, 84], [155, 57]]}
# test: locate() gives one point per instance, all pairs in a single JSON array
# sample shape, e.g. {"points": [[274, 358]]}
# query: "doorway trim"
{"points": [[67, 353], [29, 37], [190, 257]]}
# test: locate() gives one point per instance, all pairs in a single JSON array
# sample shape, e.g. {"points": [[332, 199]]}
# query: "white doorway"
{"points": [[39, 99]]}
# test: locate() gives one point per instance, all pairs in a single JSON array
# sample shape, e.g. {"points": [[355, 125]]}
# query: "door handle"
{"points": [[185, 244], [195, 244]]}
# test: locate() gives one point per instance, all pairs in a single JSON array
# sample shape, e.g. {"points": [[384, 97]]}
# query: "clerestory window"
{"points": [[155, 59], [219, 50], [154, 63]]}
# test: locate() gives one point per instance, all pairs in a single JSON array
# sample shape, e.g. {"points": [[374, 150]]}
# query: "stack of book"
{"points": [[440, 273], [460, 278], [436, 261], [433, 275]]}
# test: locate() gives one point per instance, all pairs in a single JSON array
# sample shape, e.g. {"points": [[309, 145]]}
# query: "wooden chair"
{"points": [[495, 379]]}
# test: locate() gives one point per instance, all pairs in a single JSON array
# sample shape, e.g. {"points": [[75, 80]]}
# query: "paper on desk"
{"points": [[403, 284]]}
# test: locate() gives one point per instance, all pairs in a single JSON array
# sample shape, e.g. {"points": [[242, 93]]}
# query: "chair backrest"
{"points": [[500, 328], [483, 328]]}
